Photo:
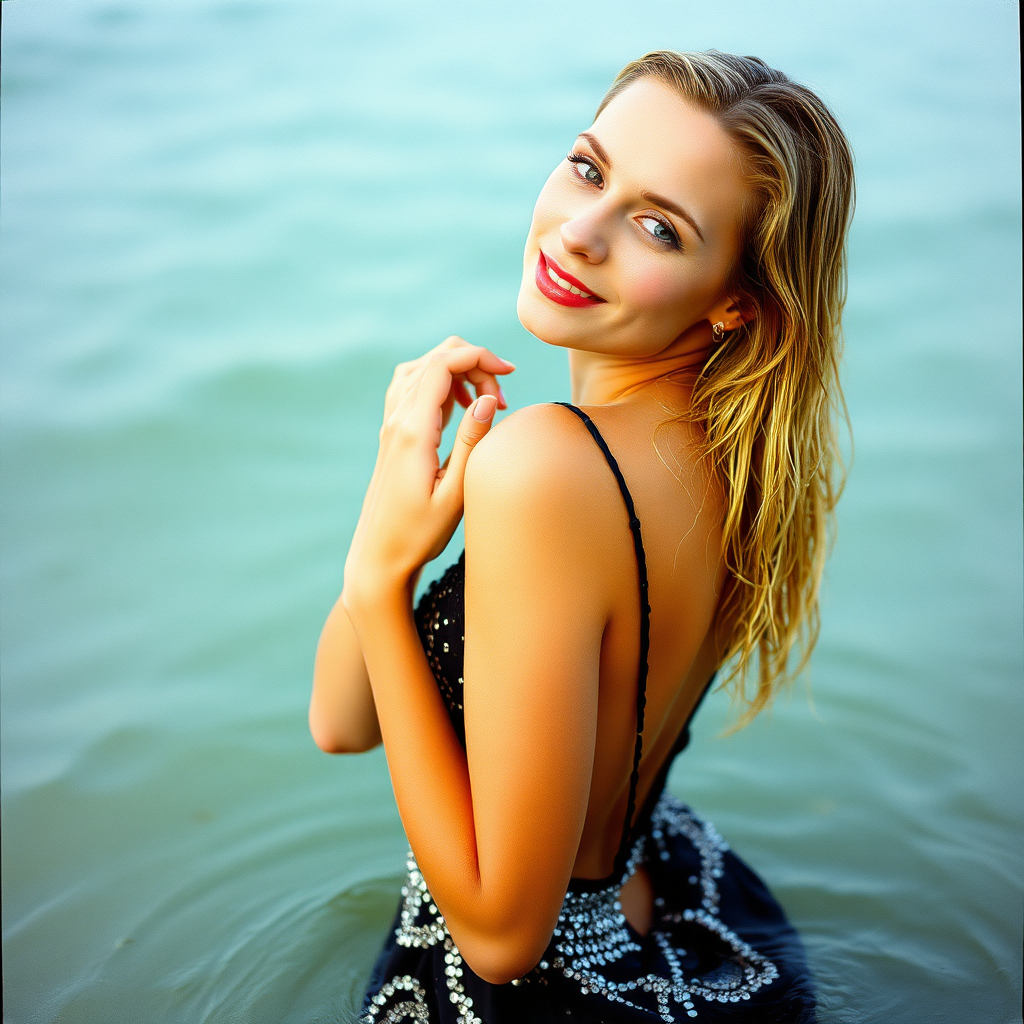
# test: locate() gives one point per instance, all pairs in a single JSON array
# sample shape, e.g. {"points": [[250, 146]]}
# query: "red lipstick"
{"points": [[558, 292]]}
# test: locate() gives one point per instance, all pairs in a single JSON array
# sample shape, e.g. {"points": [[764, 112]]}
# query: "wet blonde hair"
{"points": [[769, 396]]}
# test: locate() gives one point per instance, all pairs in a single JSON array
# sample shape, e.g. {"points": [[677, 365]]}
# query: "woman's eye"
{"points": [[586, 170], [661, 231]]}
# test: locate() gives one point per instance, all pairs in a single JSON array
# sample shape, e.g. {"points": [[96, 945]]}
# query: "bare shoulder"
{"points": [[534, 452], [539, 498]]}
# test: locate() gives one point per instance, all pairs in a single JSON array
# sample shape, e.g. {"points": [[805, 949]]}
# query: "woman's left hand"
{"points": [[413, 504]]}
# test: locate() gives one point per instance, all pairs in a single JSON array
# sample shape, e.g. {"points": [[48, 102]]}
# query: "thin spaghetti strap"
{"points": [[645, 638]]}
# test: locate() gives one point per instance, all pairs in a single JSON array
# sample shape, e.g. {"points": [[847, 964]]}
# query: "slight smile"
{"points": [[562, 287]]}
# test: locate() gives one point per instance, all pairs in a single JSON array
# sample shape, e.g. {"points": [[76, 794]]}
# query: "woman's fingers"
{"points": [[486, 384], [474, 363], [476, 422], [421, 395], [421, 405], [426, 391], [423, 500], [461, 392], [467, 355]]}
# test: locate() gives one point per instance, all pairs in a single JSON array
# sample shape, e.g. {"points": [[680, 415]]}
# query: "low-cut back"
{"points": [[720, 947]]}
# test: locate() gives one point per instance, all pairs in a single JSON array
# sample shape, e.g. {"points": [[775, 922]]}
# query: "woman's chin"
{"points": [[541, 320]]}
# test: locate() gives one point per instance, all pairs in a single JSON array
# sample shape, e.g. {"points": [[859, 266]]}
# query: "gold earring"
{"points": [[718, 331]]}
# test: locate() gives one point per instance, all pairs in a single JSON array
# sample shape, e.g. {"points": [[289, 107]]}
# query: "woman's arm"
{"points": [[495, 829], [342, 715]]}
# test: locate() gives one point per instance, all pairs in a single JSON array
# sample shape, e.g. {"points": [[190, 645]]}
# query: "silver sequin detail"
{"points": [[592, 933], [672, 818], [414, 1009], [417, 1010], [418, 903], [416, 896]]}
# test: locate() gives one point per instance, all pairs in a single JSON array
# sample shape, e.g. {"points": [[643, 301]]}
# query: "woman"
{"points": [[689, 253]]}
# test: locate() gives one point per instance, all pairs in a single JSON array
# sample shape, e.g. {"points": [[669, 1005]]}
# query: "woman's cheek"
{"points": [[654, 292]]}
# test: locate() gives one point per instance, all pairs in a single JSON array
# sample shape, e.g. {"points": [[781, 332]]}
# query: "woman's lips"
{"points": [[562, 291]]}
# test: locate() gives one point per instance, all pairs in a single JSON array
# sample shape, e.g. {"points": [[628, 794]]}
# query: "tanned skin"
{"points": [[552, 615]]}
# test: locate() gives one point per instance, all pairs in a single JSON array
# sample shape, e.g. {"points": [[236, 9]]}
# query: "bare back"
{"points": [[679, 509]]}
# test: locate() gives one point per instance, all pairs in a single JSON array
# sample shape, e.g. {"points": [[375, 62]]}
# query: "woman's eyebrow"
{"points": [[675, 208], [598, 148], [652, 197]]}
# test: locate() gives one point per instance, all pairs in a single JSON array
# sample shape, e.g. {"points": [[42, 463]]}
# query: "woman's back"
{"points": [[679, 509]]}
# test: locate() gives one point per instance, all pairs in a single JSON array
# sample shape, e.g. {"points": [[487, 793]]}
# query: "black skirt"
{"points": [[719, 949]]}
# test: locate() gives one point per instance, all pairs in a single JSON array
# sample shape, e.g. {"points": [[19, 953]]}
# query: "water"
{"points": [[222, 224]]}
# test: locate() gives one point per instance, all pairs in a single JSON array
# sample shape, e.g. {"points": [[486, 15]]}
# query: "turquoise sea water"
{"points": [[222, 223]]}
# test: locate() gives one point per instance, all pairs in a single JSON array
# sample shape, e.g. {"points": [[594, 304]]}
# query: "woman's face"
{"points": [[643, 218]]}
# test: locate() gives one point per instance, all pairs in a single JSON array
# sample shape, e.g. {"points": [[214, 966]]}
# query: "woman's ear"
{"points": [[742, 309], [732, 311]]}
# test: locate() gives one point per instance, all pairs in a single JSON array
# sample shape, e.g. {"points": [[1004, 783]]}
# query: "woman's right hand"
{"points": [[342, 715], [484, 382], [414, 503]]}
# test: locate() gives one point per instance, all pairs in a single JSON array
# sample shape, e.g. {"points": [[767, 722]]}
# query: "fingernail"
{"points": [[501, 395], [483, 408], [507, 363]]}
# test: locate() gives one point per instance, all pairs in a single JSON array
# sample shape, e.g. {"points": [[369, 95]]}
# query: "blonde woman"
{"points": [[620, 551]]}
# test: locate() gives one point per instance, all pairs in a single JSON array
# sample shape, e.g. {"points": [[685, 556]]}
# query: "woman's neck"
{"points": [[597, 378]]}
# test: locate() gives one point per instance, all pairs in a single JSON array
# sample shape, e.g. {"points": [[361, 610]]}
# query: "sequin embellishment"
{"points": [[592, 934], [442, 638], [587, 917], [414, 1009]]}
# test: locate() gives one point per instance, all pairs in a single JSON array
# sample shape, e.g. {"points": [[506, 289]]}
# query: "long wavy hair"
{"points": [[769, 397]]}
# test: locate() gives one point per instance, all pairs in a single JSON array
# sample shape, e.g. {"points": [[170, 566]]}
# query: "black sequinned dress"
{"points": [[719, 949]]}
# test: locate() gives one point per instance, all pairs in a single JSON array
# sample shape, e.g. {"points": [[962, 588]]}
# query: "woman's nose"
{"points": [[586, 236]]}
